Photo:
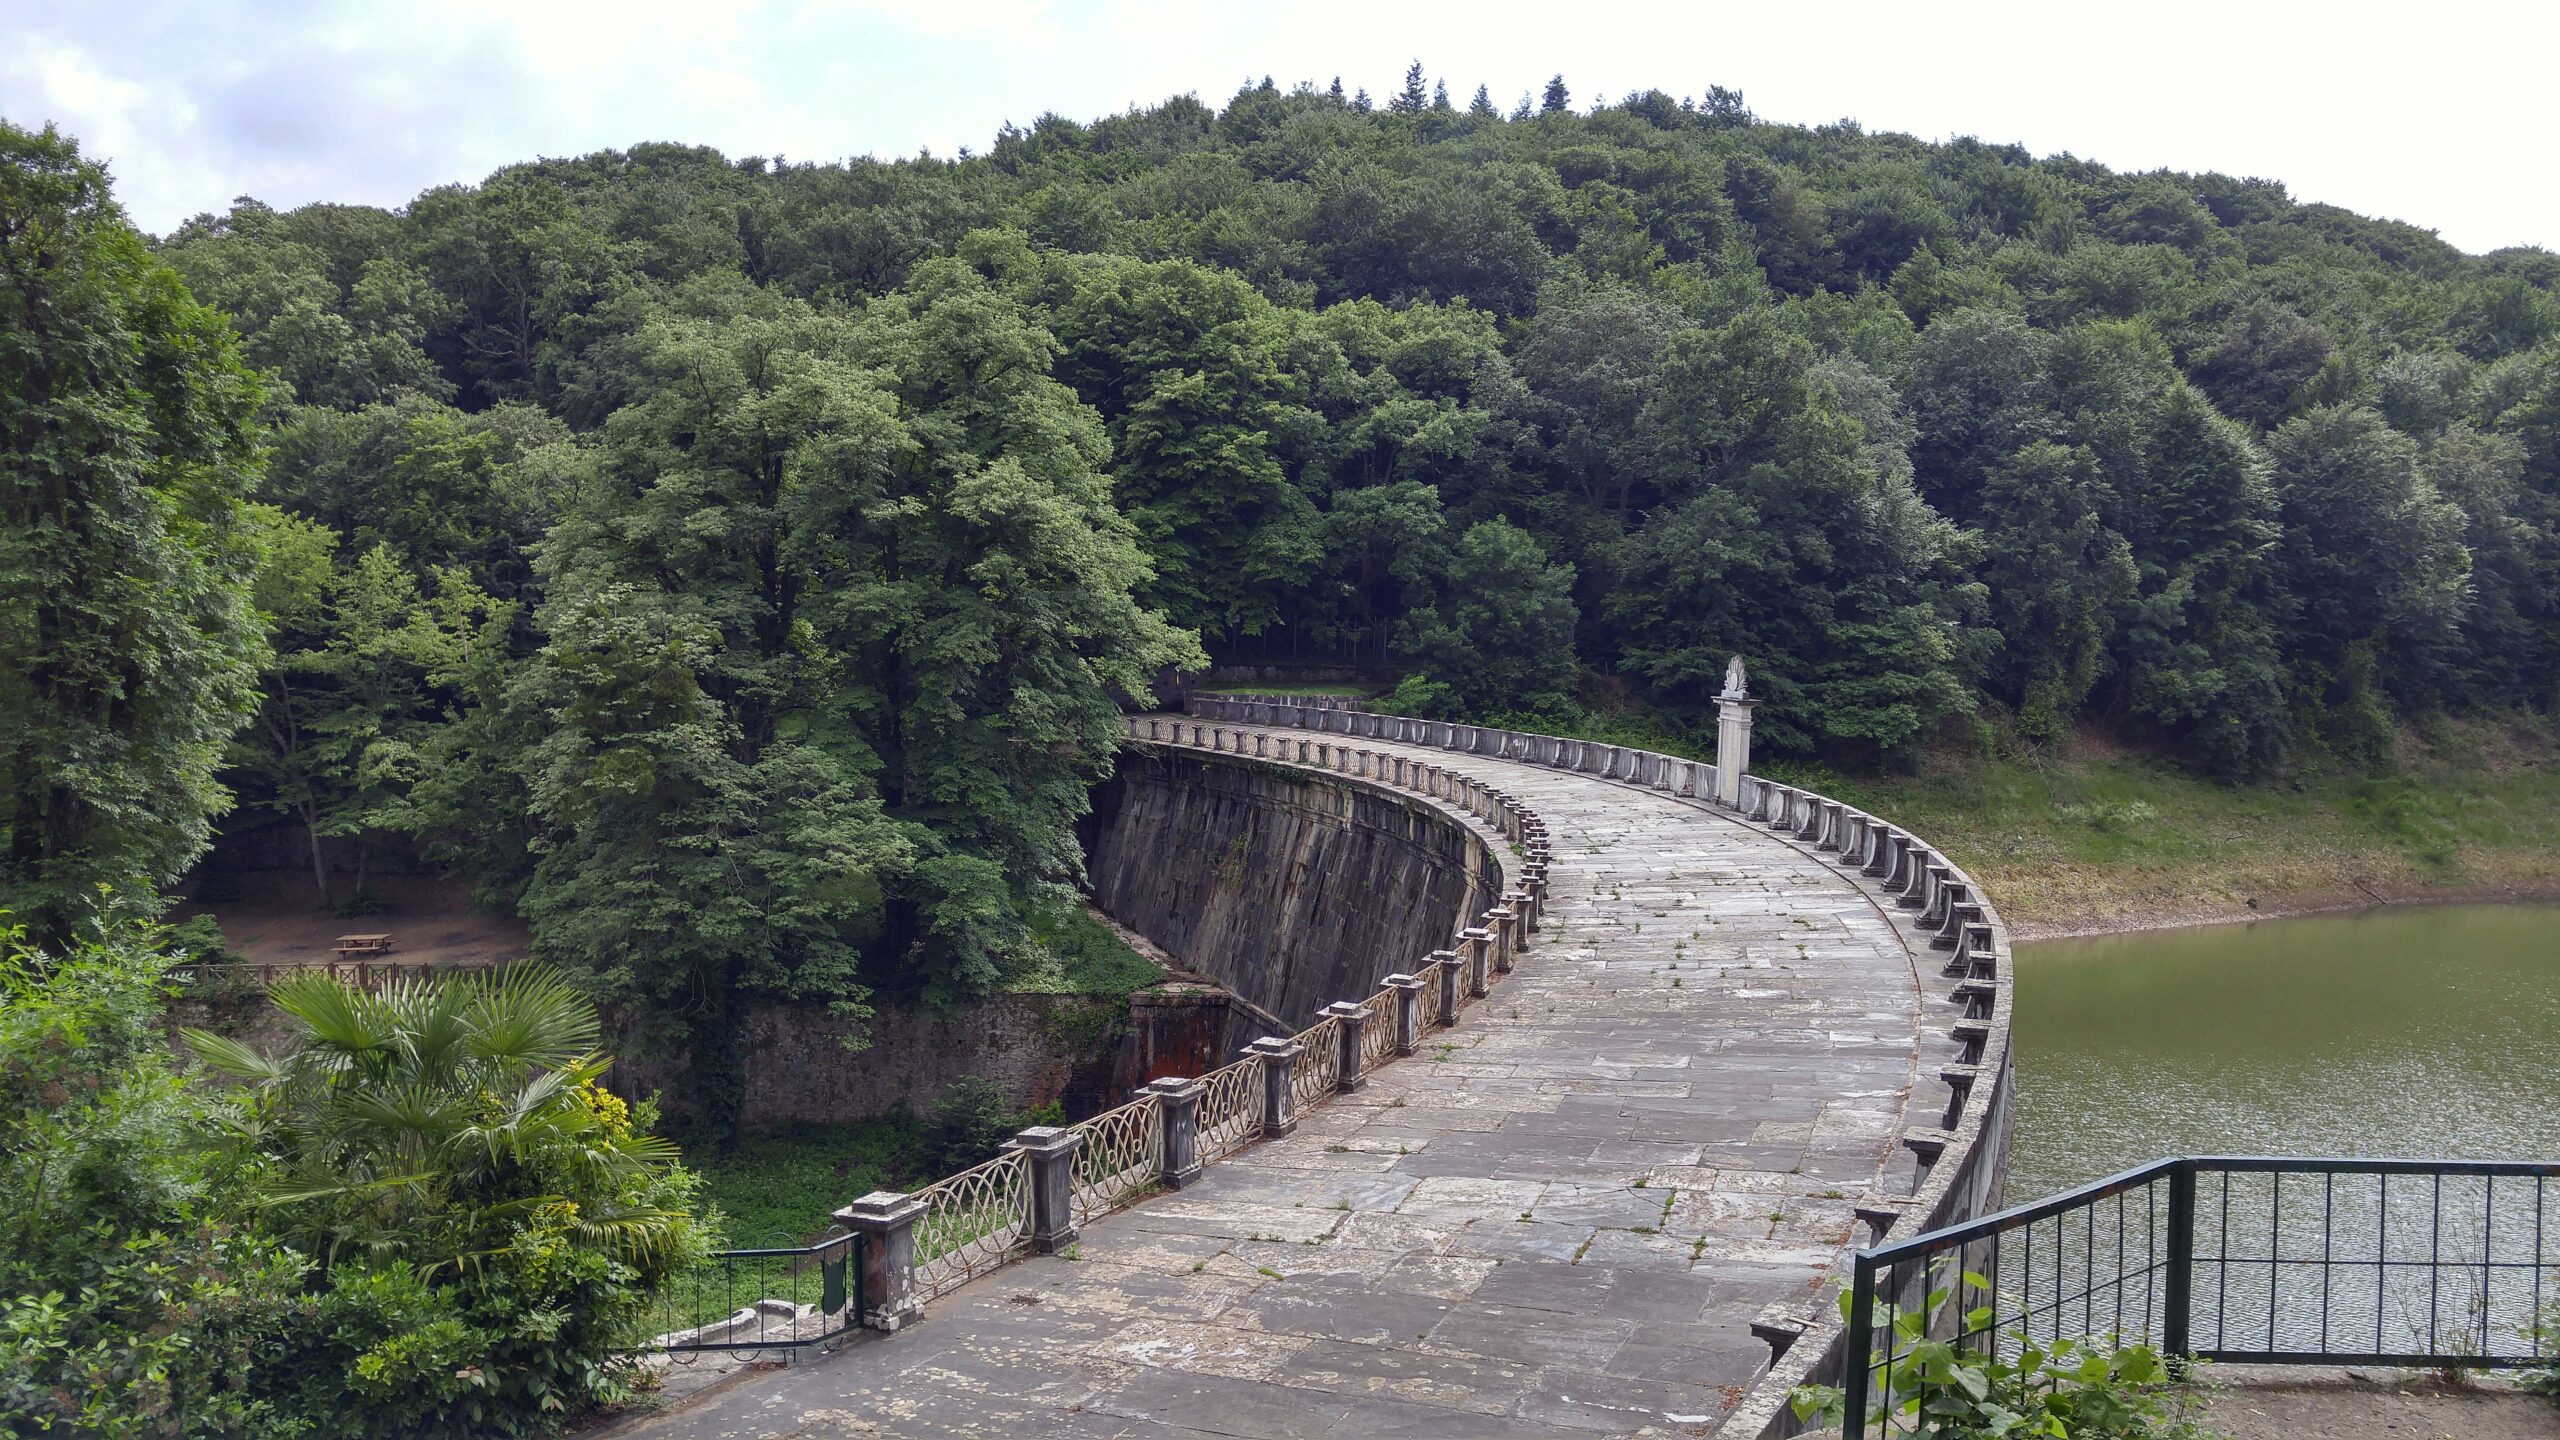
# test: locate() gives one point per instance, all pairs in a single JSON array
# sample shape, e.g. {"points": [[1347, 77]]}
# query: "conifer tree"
{"points": [[1557, 99], [1412, 98], [1481, 106]]}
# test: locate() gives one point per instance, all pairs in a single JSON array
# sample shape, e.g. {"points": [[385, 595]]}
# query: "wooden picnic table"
{"points": [[363, 944]]}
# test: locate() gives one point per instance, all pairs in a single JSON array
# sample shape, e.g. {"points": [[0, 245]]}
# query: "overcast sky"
{"points": [[2435, 114]]}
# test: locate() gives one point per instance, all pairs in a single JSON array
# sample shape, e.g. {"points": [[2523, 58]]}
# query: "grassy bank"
{"points": [[2091, 837], [2097, 839], [778, 1187]]}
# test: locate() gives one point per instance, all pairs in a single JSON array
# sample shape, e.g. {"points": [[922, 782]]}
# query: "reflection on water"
{"points": [[2420, 1031], [2411, 1032]]}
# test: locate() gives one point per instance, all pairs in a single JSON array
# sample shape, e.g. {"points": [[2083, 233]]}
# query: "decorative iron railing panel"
{"points": [[972, 1222], [1318, 1072], [1121, 1159], [1378, 1032], [1230, 1108]]}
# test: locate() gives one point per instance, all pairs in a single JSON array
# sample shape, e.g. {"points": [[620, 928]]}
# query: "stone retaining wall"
{"points": [[1085, 1051], [1289, 888]]}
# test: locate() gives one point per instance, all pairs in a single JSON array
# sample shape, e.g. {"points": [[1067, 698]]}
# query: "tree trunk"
{"points": [[319, 863]]}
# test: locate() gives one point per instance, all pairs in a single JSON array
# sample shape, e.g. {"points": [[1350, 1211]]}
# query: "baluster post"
{"points": [[1507, 941], [1408, 1011], [1178, 1102], [1051, 1151], [1350, 1019], [1446, 962], [886, 1219], [1279, 1096]]}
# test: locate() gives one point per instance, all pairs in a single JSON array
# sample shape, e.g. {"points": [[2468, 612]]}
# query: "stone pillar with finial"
{"points": [[1733, 735]]}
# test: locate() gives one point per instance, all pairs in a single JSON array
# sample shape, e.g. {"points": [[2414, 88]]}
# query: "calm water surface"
{"points": [[2416, 1031]]}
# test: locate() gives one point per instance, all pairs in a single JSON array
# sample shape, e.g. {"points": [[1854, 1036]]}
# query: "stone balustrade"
{"points": [[1049, 1184], [1033, 1198], [1962, 1156]]}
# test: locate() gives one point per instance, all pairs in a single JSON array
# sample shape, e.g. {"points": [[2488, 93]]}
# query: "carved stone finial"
{"points": [[1733, 677]]}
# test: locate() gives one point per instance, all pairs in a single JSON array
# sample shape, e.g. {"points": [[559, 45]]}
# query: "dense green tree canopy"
{"points": [[127, 448], [735, 568], [733, 565]]}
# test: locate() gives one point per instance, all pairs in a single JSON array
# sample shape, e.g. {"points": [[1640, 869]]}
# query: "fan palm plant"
{"points": [[489, 1225], [446, 1122]]}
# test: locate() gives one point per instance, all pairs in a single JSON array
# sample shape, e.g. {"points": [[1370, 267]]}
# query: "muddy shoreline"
{"points": [[2194, 913]]}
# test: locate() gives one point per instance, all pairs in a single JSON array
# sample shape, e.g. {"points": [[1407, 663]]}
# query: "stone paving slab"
{"points": [[1557, 1220]]}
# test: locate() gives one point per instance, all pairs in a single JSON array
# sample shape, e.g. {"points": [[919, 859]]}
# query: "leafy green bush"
{"points": [[2544, 1380], [134, 1304], [972, 1121], [2064, 1389], [973, 1118], [488, 1225], [1421, 697], [199, 939]]}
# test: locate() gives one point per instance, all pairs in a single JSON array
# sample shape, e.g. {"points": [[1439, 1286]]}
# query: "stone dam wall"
{"points": [[1963, 1160], [1292, 889]]}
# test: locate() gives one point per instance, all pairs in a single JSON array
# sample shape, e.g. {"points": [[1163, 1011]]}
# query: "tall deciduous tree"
{"points": [[127, 646], [1186, 366], [1500, 636], [2058, 578], [358, 683], [831, 657], [1796, 537], [2375, 555], [2202, 655]]}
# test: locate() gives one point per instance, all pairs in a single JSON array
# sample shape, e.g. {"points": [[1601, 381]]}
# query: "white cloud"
{"points": [[719, 87], [1019, 22]]}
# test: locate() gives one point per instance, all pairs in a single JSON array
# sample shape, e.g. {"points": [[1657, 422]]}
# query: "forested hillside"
{"points": [[731, 563]]}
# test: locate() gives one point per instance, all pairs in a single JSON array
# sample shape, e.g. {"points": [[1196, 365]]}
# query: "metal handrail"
{"points": [[780, 1306], [2360, 1274]]}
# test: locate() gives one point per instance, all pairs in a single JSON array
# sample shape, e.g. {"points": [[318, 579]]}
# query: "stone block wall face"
{"points": [[1288, 889], [1074, 1048]]}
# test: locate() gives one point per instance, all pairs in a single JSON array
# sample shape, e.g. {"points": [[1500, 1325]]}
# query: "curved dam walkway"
{"points": [[1561, 1217]]}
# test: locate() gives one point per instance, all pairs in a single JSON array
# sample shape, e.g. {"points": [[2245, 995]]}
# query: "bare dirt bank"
{"points": [[2280, 1403], [2180, 913]]}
